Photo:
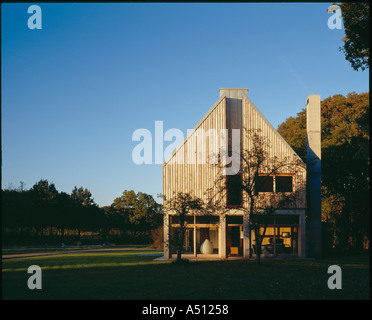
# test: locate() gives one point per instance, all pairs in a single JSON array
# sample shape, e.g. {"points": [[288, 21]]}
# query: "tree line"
{"points": [[345, 167], [43, 215]]}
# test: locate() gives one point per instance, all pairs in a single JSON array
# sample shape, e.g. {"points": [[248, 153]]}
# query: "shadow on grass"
{"points": [[142, 278]]}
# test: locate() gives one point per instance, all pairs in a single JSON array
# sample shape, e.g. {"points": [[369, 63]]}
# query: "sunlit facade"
{"points": [[229, 234]]}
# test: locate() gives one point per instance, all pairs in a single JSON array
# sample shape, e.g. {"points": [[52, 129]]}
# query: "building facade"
{"points": [[228, 233]]}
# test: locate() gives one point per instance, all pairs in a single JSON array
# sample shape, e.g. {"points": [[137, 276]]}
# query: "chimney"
{"points": [[313, 223], [234, 113], [234, 93]]}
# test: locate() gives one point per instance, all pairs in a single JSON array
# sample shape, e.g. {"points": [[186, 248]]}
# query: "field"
{"points": [[127, 275]]}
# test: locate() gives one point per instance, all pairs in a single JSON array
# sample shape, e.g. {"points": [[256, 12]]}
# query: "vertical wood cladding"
{"points": [[187, 171]]}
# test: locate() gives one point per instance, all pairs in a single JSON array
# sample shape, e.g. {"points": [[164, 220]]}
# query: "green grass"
{"points": [[24, 249], [125, 275], [78, 261]]}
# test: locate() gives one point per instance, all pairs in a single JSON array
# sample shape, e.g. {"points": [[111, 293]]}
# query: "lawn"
{"points": [[126, 275], [54, 248]]}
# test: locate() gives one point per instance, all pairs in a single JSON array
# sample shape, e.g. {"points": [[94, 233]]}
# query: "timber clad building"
{"points": [[228, 234]]}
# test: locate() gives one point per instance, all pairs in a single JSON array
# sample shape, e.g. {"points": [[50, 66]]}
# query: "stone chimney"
{"points": [[313, 223]]}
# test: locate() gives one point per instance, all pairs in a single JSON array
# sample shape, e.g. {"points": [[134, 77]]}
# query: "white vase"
{"points": [[206, 247]]}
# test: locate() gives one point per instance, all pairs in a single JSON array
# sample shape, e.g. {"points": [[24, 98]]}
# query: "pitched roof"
{"points": [[223, 96]]}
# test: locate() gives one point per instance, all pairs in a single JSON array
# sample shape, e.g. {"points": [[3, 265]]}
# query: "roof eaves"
{"points": [[271, 126], [195, 128]]}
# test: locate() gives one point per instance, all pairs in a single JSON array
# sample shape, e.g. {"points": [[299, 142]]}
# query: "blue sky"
{"points": [[74, 92]]}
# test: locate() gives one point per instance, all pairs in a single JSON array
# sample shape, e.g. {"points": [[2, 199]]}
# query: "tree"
{"points": [[16, 208], [63, 207], [43, 194], [82, 196], [256, 166], [85, 209], [180, 205], [356, 41], [147, 212], [44, 190], [345, 164], [138, 211]]}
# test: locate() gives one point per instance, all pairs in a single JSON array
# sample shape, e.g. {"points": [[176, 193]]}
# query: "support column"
{"points": [[313, 124], [247, 237], [166, 227], [194, 239], [302, 237], [222, 237]]}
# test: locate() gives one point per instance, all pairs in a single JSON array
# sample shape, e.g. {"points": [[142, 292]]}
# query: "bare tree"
{"points": [[180, 205], [255, 165]]}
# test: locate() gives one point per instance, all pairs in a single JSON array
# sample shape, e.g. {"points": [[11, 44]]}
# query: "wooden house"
{"points": [[228, 234]]}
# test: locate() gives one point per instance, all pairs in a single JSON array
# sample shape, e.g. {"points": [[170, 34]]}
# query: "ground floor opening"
{"points": [[281, 237], [200, 240], [232, 236]]}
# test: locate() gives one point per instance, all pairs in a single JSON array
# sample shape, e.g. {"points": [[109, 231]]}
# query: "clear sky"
{"points": [[73, 93]]}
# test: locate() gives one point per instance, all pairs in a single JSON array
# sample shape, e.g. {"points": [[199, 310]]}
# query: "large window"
{"points": [[265, 184], [234, 190], [283, 184], [281, 236]]}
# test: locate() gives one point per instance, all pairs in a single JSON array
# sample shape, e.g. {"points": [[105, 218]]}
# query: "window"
{"points": [[264, 184], [234, 190], [283, 184], [234, 219], [175, 219], [281, 236], [207, 219]]}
